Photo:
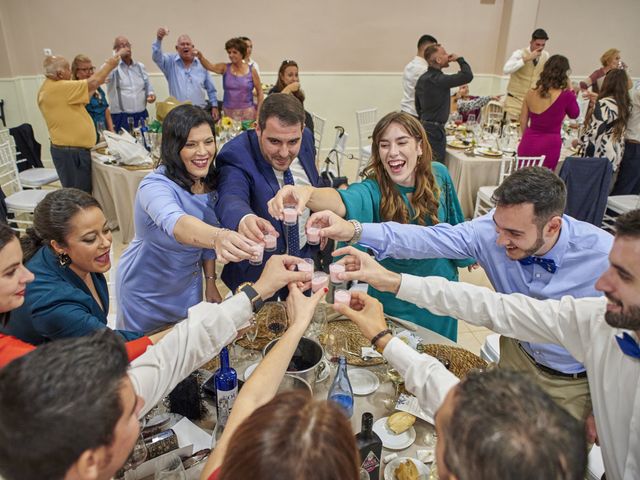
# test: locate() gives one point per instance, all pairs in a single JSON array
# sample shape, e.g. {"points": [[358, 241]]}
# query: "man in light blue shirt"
{"points": [[526, 245], [187, 78]]}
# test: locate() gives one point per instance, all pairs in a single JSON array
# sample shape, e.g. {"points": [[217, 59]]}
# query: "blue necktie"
{"points": [[293, 237], [628, 345], [547, 263]]}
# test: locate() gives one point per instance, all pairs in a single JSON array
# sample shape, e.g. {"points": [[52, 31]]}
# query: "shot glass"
{"points": [[290, 215], [334, 270], [313, 235], [258, 253], [270, 242], [306, 265], [320, 280], [342, 296]]}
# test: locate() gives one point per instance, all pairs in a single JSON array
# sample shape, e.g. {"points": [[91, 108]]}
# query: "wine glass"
{"points": [[318, 322], [170, 468], [277, 320], [334, 347], [138, 455]]}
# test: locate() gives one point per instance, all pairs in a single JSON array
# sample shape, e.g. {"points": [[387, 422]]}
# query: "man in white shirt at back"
{"points": [[412, 72]]}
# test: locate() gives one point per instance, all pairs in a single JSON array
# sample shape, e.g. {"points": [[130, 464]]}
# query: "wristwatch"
{"points": [[357, 232], [254, 297]]}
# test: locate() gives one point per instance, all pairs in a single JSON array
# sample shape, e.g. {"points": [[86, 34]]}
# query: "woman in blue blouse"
{"points": [[177, 235], [402, 184], [68, 251]]}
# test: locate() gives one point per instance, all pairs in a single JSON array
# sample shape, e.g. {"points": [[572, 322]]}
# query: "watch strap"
{"points": [[254, 297]]}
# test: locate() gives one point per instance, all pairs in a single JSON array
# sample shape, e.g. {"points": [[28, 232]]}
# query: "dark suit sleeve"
{"points": [[420, 86], [464, 76], [234, 188]]}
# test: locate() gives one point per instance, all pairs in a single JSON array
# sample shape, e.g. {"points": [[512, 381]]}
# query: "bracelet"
{"points": [[211, 277], [217, 233], [375, 339], [357, 227]]}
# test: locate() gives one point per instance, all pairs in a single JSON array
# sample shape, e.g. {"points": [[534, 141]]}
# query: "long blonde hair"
{"points": [[424, 200]]}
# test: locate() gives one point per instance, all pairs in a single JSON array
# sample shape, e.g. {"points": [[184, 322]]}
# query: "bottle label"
{"points": [[371, 463], [225, 404]]}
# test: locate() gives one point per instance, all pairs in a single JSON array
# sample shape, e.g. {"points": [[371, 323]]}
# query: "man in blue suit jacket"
{"points": [[253, 167]]}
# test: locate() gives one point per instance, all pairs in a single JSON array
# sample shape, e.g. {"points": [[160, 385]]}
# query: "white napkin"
{"points": [[130, 151]]}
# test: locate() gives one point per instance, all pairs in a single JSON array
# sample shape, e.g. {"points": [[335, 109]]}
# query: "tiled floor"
{"points": [[470, 337]]}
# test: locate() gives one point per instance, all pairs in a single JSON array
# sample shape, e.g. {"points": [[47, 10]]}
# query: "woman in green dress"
{"points": [[403, 185]]}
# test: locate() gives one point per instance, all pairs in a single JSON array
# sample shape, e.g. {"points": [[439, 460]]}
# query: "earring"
{"points": [[64, 259]]}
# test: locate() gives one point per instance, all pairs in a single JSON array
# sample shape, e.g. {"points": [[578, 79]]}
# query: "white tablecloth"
{"points": [[471, 173], [115, 188]]}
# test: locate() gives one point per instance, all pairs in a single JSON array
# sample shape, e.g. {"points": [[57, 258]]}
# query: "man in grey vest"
{"points": [[524, 66]]}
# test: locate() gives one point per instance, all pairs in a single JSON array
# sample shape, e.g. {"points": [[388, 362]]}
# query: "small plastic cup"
{"points": [[342, 296], [270, 242], [313, 235], [290, 215], [258, 253], [320, 280], [306, 265], [334, 270]]}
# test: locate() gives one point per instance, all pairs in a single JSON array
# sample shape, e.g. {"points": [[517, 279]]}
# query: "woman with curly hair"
{"points": [[403, 185], [543, 112], [605, 126], [239, 80]]}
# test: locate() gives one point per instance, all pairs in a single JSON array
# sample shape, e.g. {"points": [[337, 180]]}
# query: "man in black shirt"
{"points": [[433, 95]]}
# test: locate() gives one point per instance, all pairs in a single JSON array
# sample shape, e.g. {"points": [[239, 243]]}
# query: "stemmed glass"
{"points": [[138, 454], [170, 468]]}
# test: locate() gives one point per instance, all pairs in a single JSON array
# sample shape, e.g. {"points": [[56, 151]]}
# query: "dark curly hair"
{"points": [[554, 75], [238, 44]]}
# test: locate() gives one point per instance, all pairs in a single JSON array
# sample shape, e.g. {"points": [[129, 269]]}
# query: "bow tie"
{"points": [[547, 263], [628, 345]]}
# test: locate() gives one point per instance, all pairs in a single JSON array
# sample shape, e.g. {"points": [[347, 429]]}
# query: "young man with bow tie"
{"points": [[525, 245]]}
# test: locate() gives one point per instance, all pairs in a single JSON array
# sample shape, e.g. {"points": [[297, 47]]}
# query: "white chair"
{"points": [[32, 177], [492, 113], [21, 203], [318, 132], [366, 120], [617, 205], [507, 166]]}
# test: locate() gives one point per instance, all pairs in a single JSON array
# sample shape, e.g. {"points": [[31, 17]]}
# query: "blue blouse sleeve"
{"points": [[159, 199]]}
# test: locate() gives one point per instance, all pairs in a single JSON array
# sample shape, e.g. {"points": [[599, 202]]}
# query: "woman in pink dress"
{"points": [[543, 112]]}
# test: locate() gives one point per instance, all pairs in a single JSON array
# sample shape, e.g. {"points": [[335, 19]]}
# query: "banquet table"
{"points": [[115, 188], [372, 402], [469, 173]]}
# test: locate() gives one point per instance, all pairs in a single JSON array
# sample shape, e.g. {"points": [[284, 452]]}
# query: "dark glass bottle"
{"points": [[370, 447], [226, 382], [341, 391]]}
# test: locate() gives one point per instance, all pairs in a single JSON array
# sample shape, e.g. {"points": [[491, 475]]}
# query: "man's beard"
{"points": [[629, 319]]}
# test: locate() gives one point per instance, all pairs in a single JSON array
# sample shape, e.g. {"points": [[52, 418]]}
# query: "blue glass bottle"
{"points": [[341, 391], [225, 380], [144, 134]]}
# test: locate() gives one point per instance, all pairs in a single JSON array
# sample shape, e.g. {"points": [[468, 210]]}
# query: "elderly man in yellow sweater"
{"points": [[62, 103]]}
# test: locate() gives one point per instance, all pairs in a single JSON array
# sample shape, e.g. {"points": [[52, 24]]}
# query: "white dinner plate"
{"points": [[363, 382], [390, 469], [489, 152], [389, 439]]}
